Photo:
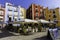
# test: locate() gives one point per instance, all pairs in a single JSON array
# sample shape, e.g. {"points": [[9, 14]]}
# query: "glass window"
{"points": [[0, 18], [41, 10], [54, 16], [36, 6], [19, 18], [53, 12], [36, 14], [49, 15], [15, 19], [48, 19], [36, 10], [1, 12]]}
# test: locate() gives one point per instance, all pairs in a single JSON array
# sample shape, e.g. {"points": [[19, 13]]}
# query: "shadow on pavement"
{"points": [[5, 33], [42, 38]]}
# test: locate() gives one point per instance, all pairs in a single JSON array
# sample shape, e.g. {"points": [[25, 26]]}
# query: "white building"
{"points": [[11, 12]]}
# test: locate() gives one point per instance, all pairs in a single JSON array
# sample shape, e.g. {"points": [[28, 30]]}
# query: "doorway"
{"points": [[10, 19]]}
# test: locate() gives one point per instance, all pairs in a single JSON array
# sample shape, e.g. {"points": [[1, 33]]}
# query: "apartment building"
{"points": [[35, 12], [53, 15], [47, 14], [56, 16], [2, 16], [22, 13], [11, 12], [2, 13]]}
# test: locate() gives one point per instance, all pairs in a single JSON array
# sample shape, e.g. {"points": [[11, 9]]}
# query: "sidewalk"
{"points": [[22, 37]]}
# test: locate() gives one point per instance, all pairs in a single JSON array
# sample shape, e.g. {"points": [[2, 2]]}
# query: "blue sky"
{"points": [[27, 3]]}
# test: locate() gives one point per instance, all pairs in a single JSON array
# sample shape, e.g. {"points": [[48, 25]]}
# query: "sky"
{"points": [[26, 3]]}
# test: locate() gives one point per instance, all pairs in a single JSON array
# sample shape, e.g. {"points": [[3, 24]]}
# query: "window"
{"points": [[41, 10], [9, 10], [36, 6], [36, 10], [1, 12], [54, 16], [48, 19], [0, 18], [19, 18], [15, 19], [53, 12], [49, 15], [36, 14]]}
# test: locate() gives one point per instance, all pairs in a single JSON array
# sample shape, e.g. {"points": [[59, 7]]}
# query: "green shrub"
{"points": [[39, 28]]}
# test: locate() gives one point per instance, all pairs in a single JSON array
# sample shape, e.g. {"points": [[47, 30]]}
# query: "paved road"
{"points": [[6, 35]]}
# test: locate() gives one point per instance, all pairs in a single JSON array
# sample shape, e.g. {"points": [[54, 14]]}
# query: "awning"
{"points": [[25, 20], [52, 22], [43, 21], [29, 20]]}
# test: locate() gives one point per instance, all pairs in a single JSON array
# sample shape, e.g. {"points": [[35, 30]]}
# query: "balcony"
{"points": [[10, 13], [10, 8], [15, 15], [1, 16], [36, 16], [1, 20], [15, 11]]}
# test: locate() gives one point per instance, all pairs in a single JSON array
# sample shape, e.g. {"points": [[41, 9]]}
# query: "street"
{"points": [[6, 35]]}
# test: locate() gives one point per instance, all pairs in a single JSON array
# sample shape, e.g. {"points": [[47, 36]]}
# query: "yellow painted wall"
{"points": [[50, 12], [46, 13], [58, 16], [23, 11]]}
